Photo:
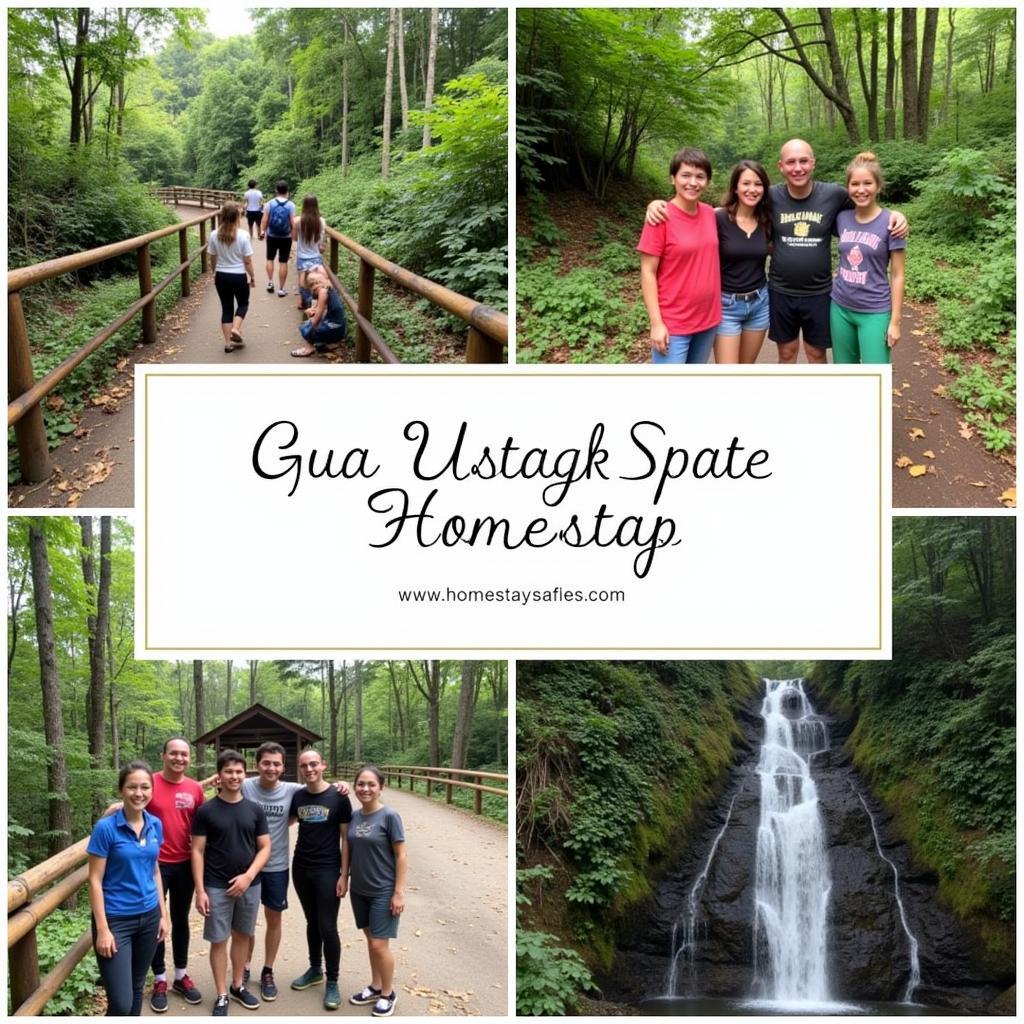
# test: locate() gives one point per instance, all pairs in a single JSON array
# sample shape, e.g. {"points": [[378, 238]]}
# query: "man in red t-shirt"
{"points": [[176, 798]]}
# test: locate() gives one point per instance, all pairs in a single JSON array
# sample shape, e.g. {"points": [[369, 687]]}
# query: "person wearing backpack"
{"points": [[276, 227]]}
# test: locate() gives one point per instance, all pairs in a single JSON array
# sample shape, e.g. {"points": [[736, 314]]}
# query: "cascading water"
{"points": [[684, 931], [915, 964], [792, 878]]}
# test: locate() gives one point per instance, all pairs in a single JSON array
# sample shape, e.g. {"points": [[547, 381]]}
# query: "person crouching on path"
{"points": [[277, 226], [377, 871], [310, 234], [320, 872], [679, 275], [231, 262], [230, 845], [326, 323], [125, 892], [866, 310]]}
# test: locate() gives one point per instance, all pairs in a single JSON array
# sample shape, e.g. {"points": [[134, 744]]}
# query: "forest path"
{"points": [[95, 466], [451, 955]]}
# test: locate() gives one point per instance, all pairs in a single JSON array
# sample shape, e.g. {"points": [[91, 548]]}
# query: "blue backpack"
{"points": [[280, 223]]}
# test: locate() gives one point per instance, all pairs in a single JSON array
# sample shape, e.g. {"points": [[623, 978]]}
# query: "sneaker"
{"points": [[268, 990], [332, 997], [184, 987], [367, 995], [282, 292], [244, 996], [385, 1006], [158, 997], [270, 286], [220, 1006], [312, 976]]}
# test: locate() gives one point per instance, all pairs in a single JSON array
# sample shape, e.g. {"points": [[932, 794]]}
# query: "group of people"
{"points": [[277, 221], [703, 270], [165, 843]]}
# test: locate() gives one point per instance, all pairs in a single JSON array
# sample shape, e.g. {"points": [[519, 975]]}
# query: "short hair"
{"points": [[270, 747], [129, 768], [866, 160], [373, 770], [252, 183], [229, 757], [281, 187], [691, 156], [172, 739]]}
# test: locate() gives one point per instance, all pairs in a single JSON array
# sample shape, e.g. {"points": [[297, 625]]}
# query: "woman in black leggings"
{"points": [[320, 872], [231, 262]]}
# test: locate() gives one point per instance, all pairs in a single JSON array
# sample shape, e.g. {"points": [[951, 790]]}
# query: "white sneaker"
{"points": [[385, 1006], [282, 292]]}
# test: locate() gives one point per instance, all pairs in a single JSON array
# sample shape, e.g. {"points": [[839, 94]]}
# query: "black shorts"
{"points": [[253, 217], [792, 315], [282, 248]]}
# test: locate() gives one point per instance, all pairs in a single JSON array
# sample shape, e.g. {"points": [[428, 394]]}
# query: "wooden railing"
{"points": [[487, 328], [450, 778], [24, 392]]}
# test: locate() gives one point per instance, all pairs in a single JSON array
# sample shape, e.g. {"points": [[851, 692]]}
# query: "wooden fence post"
{"points": [[478, 797], [23, 963], [29, 431], [365, 307], [334, 255], [183, 257], [145, 287], [480, 348], [448, 791], [203, 260]]}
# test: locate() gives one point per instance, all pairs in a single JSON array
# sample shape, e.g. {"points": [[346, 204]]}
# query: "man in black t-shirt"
{"points": [[320, 871], [230, 845]]}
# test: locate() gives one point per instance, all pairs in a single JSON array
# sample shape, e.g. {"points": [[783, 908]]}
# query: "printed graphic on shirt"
{"points": [[184, 801], [365, 828], [273, 810], [313, 813]]}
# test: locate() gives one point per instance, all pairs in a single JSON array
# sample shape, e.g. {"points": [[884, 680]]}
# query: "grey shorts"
{"points": [[228, 915], [374, 913]]}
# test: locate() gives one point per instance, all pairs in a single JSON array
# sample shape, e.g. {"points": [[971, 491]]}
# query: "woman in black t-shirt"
{"points": [[744, 240], [320, 872]]}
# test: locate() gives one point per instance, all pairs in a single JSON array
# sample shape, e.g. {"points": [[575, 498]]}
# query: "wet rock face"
{"points": [[869, 953]]}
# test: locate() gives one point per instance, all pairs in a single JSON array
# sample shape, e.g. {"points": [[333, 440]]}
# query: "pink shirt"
{"points": [[175, 804], [689, 278]]}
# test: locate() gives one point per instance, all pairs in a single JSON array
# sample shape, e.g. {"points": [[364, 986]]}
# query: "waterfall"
{"points": [[792, 878], [686, 948], [915, 964]]}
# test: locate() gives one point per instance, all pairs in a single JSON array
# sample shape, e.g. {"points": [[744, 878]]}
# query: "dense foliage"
{"points": [[599, 115], [936, 727], [613, 762]]}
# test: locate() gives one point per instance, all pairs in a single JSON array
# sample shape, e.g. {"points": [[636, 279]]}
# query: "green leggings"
{"points": [[859, 337]]}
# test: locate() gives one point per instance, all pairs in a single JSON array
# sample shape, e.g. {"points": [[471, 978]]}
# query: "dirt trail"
{"points": [[452, 948]]}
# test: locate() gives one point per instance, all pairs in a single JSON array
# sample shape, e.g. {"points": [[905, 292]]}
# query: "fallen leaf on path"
{"points": [[898, 394], [55, 402], [903, 461], [940, 390], [102, 400], [82, 432], [172, 351], [928, 455], [917, 470], [1009, 497], [74, 499], [919, 334], [965, 430], [64, 485], [905, 384], [418, 933], [916, 432], [978, 483]]}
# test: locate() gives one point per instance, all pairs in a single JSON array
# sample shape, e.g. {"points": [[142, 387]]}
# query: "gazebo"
{"points": [[256, 725]]}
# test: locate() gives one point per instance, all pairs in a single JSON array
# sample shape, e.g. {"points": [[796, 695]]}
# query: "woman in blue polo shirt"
{"points": [[125, 892]]}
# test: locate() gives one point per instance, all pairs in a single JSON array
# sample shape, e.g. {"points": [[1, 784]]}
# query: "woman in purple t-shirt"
{"points": [[867, 292]]}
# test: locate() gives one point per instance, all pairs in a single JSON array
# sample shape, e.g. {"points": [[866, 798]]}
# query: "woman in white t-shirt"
{"points": [[233, 273], [309, 231], [253, 206]]}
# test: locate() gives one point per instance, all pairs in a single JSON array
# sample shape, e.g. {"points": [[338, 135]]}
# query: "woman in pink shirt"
{"points": [[679, 272]]}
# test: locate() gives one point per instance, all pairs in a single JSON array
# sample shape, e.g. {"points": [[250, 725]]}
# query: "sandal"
{"points": [[236, 339], [301, 353]]}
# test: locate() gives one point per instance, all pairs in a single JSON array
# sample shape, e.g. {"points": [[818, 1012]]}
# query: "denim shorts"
{"points": [[374, 912], [304, 263], [739, 315], [687, 348]]}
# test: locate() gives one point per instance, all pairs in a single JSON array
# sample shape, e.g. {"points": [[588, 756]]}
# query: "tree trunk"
{"points": [[464, 717], [357, 723], [97, 624], [868, 75], [890, 73], [344, 711], [398, 705], [76, 80], [389, 76], [402, 92], [254, 671], [197, 688], [227, 689], [428, 95], [344, 110], [947, 78], [53, 715], [908, 59], [924, 85], [431, 688], [332, 734]]}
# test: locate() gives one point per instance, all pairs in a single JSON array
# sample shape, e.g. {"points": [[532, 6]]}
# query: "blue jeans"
{"points": [[739, 315], [325, 333], [687, 348], [124, 973]]}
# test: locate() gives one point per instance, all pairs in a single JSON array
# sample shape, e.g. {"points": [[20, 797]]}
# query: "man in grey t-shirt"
{"points": [[274, 796], [800, 273]]}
